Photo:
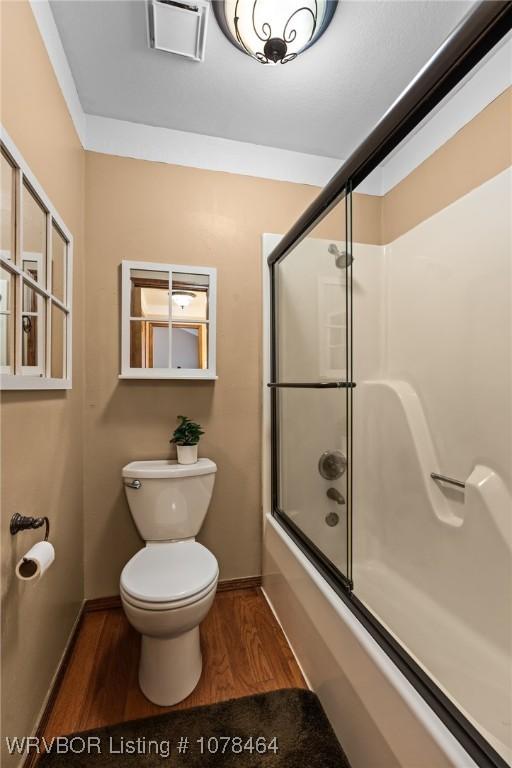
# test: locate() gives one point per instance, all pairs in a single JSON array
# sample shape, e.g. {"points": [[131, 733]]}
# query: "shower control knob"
{"points": [[335, 495], [332, 465]]}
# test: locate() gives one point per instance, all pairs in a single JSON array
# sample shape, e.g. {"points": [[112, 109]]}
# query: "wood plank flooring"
{"points": [[244, 652]]}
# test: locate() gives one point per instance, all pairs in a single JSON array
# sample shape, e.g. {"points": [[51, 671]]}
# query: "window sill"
{"points": [[150, 376], [12, 382]]}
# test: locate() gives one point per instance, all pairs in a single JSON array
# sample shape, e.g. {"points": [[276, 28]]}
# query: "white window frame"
{"points": [[127, 372], [16, 376]]}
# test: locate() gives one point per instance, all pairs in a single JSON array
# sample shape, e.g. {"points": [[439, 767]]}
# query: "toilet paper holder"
{"points": [[22, 523]]}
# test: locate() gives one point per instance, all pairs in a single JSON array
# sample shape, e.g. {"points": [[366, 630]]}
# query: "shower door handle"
{"points": [[312, 384]]}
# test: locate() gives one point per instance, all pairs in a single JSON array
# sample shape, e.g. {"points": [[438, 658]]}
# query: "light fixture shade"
{"points": [[183, 298], [273, 31]]}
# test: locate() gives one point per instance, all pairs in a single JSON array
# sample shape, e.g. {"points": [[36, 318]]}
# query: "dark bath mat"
{"points": [[291, 720]]}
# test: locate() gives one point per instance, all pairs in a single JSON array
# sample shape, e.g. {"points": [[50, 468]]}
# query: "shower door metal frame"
{"points": [[274, 385], [485, 25]]}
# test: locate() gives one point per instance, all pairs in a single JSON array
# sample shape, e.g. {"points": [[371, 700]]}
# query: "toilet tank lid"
{"points": [[168, 468]]}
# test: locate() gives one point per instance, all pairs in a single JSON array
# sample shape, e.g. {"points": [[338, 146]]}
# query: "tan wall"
{"points": [[476, 153], [155, 212], [41, 431], [163, 213]]}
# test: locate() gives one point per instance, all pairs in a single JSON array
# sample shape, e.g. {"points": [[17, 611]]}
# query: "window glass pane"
{"points": [[149, 294], [34, 236], [190, 297], [189, 345], [58, 347], [7, 176], [32, 328], [59, 253], [6, 318], [149, 344]]}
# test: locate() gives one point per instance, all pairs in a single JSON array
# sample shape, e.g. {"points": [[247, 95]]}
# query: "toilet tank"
{"points": [[169, 500]]}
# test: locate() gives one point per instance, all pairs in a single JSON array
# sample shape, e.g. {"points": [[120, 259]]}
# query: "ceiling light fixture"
{"points": [[274, 31], [183, 298]]}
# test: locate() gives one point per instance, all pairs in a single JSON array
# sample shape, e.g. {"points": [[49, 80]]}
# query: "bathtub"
{"points": [[378, 716], [440, 554], [474, 671]]}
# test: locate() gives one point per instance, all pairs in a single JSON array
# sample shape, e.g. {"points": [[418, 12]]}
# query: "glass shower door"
{"points": [[311, 392]]}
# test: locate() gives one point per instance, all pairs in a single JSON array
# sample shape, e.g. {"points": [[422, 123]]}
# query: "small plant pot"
{"points": [[187, 454]]}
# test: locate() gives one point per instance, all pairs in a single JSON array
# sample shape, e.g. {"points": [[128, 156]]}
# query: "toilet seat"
{"points": [[169, 575], [172, 605]]}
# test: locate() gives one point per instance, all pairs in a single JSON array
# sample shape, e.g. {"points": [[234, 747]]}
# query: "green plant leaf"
{"points": [[187, 432]]}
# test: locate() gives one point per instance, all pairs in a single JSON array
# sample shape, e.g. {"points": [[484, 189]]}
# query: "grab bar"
{"points": [[449, 480]]}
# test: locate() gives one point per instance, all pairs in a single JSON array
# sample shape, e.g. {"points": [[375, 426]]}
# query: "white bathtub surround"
{"points": [[433, 365], [440, 402], [486, 490], [467, 667], [377, 715]]}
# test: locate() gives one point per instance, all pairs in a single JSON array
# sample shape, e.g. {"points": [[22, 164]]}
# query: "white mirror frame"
{"points": [[17, 376], [127, 372]]}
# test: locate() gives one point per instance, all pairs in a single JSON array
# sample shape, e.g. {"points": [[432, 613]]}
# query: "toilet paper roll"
{"points": [[35, 562]]}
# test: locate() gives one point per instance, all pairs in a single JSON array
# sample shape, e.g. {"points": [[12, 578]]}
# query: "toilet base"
{"points": [[170, 667]]}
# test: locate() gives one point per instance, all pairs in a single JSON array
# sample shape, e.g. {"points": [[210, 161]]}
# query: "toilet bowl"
{"points": [[168, 587]]}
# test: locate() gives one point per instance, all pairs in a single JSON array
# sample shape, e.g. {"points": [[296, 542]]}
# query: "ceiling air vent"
{"points": [[178, 26]]}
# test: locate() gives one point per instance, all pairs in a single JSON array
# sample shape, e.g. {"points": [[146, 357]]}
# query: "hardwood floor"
{"points": [[244, 652]]}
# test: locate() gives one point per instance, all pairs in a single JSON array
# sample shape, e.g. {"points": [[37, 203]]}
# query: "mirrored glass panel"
{"points": [[7, 190], [32, 329], [189, 297], [35, 266], [33, 236], [6, 319], [168, 321], [59, 264], [149, 294], [189, 345], [58, 343], [149, 344]]}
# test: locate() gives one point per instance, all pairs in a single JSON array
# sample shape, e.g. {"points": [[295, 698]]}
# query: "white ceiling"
{"points": [[324, 103]]}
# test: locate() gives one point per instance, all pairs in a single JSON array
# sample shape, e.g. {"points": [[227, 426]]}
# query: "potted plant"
{"points": [[186, 437]]}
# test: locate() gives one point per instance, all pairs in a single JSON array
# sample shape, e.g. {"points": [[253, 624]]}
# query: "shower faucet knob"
{"points": [[332, 464]]}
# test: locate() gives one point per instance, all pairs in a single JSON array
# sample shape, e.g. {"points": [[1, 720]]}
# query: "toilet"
{"points": [[168, 587]]}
